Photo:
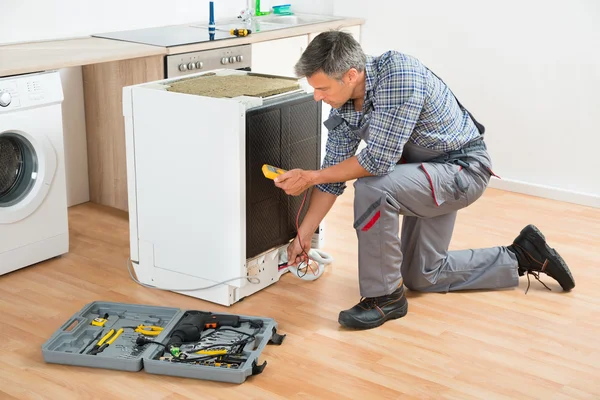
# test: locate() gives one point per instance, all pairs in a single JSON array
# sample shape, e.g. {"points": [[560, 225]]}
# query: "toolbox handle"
{"points": [[72, 324]]}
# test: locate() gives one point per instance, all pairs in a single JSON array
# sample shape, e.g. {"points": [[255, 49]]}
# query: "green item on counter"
{"points": [[257, 12]]}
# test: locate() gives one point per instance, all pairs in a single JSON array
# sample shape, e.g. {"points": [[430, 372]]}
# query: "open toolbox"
{"points": [[164, 341]]}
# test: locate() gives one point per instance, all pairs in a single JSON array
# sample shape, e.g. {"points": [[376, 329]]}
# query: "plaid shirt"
{"points": [[403, 102]]}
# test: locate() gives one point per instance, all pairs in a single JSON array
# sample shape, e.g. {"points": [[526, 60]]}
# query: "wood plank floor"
{"points": [[470, 345]]}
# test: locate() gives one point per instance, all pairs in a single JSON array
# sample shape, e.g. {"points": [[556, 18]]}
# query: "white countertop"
{"points": [[48, 55]]}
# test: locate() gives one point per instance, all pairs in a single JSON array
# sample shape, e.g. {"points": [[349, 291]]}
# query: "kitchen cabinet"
{"points": [[103, 96], [278, 57]]}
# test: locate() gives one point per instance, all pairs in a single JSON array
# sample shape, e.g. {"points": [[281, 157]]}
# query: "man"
{"points": [[425, 158]]}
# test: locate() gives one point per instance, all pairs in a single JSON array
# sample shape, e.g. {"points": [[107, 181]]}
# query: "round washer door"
{"points": [[27, 167]]}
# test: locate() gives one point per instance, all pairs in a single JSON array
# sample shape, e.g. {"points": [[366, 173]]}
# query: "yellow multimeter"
{"points": [[272, 172]]}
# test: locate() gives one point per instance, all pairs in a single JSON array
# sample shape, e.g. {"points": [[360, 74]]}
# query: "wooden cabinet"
{"points": [[278, 57], [103, 95]]}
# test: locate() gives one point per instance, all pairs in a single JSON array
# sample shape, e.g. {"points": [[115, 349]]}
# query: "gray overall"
{"points": [[428, 190]]}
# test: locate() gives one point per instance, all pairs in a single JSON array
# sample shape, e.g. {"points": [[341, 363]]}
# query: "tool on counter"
{"points": [[148, 330], [106, 341], [98, 321], [272, 172], [240, 32]]}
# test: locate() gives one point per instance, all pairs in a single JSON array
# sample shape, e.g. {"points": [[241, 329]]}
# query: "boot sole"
{"points": [[562, 274], [354, 324]]}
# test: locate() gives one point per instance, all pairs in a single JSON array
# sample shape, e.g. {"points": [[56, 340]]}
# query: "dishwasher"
{"points": [[204, 220]]}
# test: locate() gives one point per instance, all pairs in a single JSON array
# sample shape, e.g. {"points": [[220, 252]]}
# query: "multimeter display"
{"points": [[272, 172]]}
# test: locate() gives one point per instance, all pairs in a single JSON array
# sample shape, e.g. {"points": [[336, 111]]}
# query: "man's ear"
{"points": [[352, 76]]}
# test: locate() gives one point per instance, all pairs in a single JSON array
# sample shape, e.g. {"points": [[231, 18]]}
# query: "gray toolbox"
{"points": [[164, 341]]}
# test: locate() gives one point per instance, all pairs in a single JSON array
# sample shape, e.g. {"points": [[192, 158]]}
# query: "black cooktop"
{"points": [[168, 36]]}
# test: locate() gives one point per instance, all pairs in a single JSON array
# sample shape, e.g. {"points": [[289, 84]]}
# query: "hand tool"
{"points": [[190, 327], [240, 32], [148, 330], [105, 341], [100, 321], [272, 172], [91, 341], [213, 352]]}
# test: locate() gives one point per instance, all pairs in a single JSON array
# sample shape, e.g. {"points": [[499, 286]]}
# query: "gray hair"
{"points": [[334, 53]]}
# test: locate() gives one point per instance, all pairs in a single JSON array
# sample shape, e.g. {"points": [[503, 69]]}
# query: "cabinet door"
{"points": [[278, 57]]}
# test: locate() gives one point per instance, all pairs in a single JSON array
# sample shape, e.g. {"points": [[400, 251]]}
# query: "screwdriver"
{"points": [[240, 32]]}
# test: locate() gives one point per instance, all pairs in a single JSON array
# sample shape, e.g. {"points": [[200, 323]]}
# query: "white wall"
{"points": [[528, 70], [75, 18], [32, 20]]}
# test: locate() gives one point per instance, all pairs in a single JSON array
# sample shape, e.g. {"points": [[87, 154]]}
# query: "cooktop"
{"points": [[167, 36]]}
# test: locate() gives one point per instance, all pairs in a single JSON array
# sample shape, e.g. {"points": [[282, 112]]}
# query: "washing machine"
{"points": [[33, 195]]}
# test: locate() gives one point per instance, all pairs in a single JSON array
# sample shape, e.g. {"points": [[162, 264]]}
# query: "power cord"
{"points": [[314, 256]]}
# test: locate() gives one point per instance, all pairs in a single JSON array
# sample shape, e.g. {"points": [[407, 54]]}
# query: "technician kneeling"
{"points": [[425, 158]]}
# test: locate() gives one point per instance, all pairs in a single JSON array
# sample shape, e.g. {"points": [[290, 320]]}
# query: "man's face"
{"points": [[330, 90]]}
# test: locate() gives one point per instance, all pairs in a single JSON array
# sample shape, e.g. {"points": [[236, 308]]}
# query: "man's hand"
{"points": [[295, 181], [296, 253]]}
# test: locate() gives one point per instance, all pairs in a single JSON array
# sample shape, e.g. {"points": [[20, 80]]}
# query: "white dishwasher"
{"points": [[204, 221]]}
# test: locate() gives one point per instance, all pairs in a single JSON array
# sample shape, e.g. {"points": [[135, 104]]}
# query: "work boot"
{"points": [[535, 256], [371, 312]]}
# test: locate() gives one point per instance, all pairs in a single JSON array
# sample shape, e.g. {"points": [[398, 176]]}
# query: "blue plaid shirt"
{"points": [[403, 102]]}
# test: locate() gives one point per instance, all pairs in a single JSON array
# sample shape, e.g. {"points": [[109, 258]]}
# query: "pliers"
{"points": [[148, 330], [106, 341]]}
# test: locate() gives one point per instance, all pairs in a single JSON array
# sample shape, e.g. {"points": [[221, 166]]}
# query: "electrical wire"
{"points": [[312, 258], [189, 289], [308, 259]]}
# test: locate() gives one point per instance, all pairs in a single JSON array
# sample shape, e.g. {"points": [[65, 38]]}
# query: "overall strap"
{"points": [[479, 126]]}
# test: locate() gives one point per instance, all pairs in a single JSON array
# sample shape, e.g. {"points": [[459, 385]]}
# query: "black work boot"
{"points": [[371, 312], [535, 256]]}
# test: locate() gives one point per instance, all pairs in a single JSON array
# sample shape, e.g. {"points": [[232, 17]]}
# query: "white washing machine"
{"points": [[33, 195]]}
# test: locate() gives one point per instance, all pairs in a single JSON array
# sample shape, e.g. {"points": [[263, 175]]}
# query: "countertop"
{"points": [[47, 55]]}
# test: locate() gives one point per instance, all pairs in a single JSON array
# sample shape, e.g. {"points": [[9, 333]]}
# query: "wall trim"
{"points": [[548, 192]]}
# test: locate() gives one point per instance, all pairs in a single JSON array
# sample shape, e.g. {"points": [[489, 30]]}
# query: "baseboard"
{"points": [[548, 192]]}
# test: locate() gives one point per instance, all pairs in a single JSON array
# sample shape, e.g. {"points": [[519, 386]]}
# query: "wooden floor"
{"points": [[475, 345]]}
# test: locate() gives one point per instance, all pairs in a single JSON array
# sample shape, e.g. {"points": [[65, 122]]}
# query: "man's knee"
{"points": [[419, 280], [415, 284]]}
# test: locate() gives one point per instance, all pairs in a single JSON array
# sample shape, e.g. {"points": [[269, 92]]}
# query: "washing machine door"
{"points": [[27, 167]]}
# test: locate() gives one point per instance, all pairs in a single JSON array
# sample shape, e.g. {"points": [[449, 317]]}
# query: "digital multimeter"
{"points": [[272, 172]]}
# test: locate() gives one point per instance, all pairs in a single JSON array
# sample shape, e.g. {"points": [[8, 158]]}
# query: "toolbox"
{"points": [[165, 341]]}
